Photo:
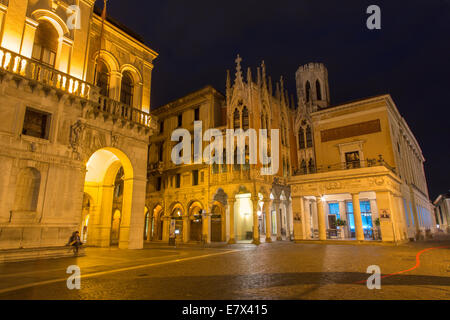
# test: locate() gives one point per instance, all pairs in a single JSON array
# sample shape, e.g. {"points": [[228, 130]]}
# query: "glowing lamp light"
{"points": [[323, 198]]}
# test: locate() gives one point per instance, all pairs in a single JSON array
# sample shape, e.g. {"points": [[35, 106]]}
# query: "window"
{"points": [[161, 153], [102, 78], [334, 209], [311, 166], [307, 91], [352, 160], [36, 124], [195, 178], [27, 190], [161, 127], [301, 139], [309, 139], [304, 170], [178, 181], [318, 90], [45, 44], [126, 89], [197, 114], [158, 184], [236, 119], [245, 119], [180, 120]]}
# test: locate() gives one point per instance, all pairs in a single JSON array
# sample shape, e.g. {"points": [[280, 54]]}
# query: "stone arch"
{"points": [[53, 18], [136, 74], [110, 60], [102, 168]]}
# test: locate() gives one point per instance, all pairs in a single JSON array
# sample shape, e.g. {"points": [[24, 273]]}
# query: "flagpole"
{"points": [[101, 37]]}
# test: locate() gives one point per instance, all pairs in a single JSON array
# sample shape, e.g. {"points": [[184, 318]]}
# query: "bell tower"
{"points": [[312, 87]]}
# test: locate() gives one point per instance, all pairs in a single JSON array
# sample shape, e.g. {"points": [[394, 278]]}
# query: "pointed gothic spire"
{"points": [[263, 67], [258, 77], [228, 81], [270, 86], [293, 106], [277, 91], [238, 69], [249, 76]]}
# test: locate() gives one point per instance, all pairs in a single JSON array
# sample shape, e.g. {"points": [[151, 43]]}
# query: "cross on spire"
{"points": [[238, 68]]}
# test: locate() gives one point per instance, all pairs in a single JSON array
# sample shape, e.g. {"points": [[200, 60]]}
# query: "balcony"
{"points": [[345, 166], [40, 73]]}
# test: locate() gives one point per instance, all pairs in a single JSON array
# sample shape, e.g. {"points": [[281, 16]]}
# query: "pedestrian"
{"points": [[75, 242]]}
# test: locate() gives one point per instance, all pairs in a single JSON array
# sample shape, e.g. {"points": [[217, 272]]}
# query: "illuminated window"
{"points": [[301, 139], [126, 89], [309, 139], [102, 78], [245, 119], [45, 44], [236, 119]]}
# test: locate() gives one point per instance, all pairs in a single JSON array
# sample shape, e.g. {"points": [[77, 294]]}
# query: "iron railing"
{"points": [[344, 166]]}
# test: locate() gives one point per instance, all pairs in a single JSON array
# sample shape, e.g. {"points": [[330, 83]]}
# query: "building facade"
{"points": [[75, 124], [347, 172], [442, 212]]}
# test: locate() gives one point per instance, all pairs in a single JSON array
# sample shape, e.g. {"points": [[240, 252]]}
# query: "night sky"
{"points": [[198, 41]]}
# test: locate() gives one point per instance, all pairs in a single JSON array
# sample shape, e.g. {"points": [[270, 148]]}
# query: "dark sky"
{"points": [[198, 40]]}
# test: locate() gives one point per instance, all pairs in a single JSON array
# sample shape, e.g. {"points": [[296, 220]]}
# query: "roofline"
{"points": [[124, 30], [190, 96]]}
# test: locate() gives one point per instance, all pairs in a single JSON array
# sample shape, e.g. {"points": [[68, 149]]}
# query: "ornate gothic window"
{"points": [[307, 91], [27, 190], [304, 170], [311, 166], [102, 78], [309, 141], [126, 89], [245, 119], [236, 119], [301, 139], [45, 44], [318, 90]]}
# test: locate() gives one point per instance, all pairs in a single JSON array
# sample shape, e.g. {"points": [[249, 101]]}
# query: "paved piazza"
{"points": [[271, 271]]}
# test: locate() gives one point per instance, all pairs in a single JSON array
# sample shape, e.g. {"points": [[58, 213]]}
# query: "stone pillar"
{"points": [[165, 230], [186, 231], [299, 219], [63, 58], [307, 219], [385, 207], [256, 237], [267, 206], [343, 217], [231, 202], [321, 219], [28, 37], [278, 219], [206, 225], [358, 219], [287, 205]]}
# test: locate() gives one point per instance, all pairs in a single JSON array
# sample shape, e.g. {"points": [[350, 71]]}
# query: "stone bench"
{"points": [[29, 254]]}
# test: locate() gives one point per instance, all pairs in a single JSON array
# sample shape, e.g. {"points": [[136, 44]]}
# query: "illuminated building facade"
{"points": [[74, 103], [349, 172]]}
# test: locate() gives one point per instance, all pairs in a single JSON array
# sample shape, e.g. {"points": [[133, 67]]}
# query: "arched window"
{"points": [[126, 89], [309, 141], [304, 170], [311, 166], [236, 119], [318, 90], [45, 44], [102, 78], [27, 190], [245, 119], [308, 91], [301, 139]]}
